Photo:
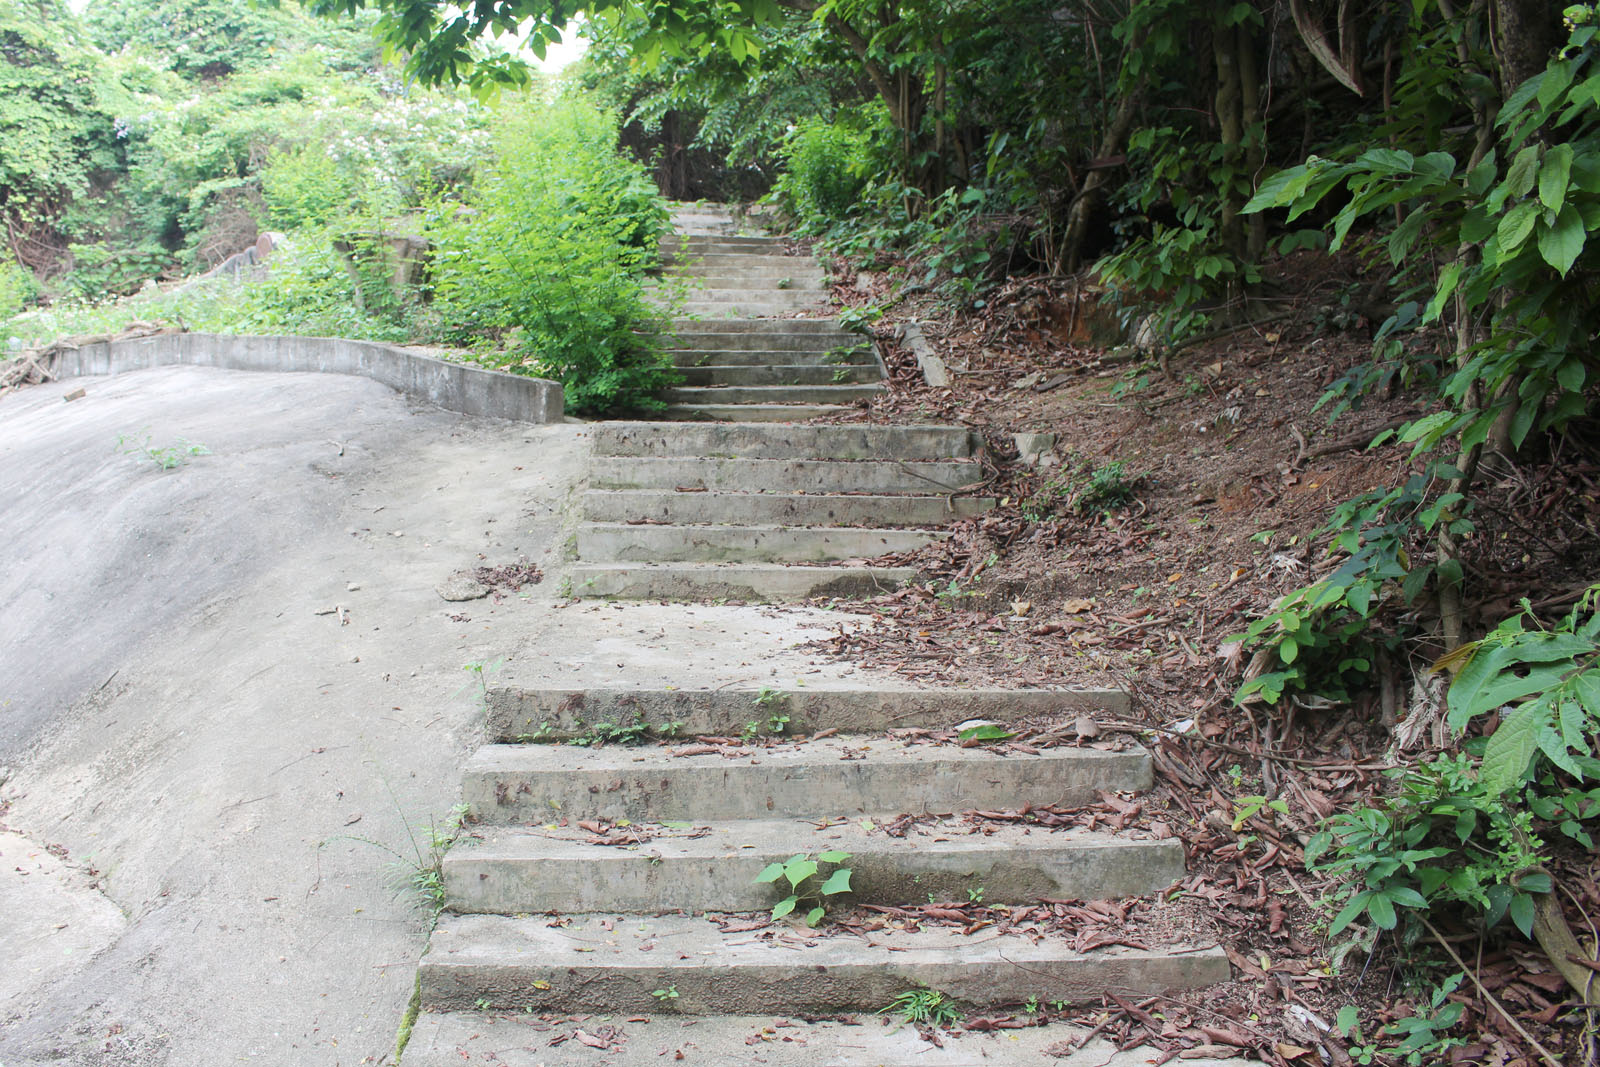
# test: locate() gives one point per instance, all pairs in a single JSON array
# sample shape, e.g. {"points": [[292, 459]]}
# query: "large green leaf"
{"points": [[1515, 227], [799, 871], [1553, 174], [1523, 172], [1561, 242], [1511, 746], [838, 882]]}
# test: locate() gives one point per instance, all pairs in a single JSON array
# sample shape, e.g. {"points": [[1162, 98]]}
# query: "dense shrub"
{"points": [[543, 267], [825, 171]]}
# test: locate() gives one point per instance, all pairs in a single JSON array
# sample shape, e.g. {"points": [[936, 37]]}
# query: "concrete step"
{"points": [[735, 440], [730, 241], [600, 542], [758, 357], [737, 261], [714, 867], [768, 282], [750, 412], [788, 326], [793, 297], [777, 475], [755, 339], [559, 714], [790, 509], [823, 779], [772, 394], [598, 965], [480, 1039], [741, 312], [706, 375], [774, 583]]}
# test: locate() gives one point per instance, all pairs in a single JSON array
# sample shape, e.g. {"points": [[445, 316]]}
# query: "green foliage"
{"points": [[165, 457], [548, 262], [1081, 488], [1524, 211], [807, 886], [600, 734], [17, 289], [1443, 839], [305, 186], [923, 1007], [825, 170], [208, 39], [1467, 830], [1551, 680], [56, 130]]}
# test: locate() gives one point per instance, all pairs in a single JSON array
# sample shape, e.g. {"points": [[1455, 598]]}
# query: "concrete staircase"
{"points": [[744, 505], [739, 361], [764, 511], [640, 924], [606, 908]]}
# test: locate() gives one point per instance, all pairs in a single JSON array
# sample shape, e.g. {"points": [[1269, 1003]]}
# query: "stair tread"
{"points": [[614, 963], [839, 510], [828, 752], [599, 941], [746, 412], [470, 1039]]}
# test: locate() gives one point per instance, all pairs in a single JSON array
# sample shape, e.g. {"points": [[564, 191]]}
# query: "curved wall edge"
{"points": [[451, 386]]}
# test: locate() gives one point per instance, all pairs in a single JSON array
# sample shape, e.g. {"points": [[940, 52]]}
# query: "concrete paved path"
{"points": [[221, 756]]}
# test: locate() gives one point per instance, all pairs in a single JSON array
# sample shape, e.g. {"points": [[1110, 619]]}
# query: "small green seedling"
{"points": [[165, 457], [806, 886], [664, 995]]}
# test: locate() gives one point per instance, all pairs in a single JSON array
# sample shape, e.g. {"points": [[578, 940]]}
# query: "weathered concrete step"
{"points": [[789, 326], [735, 264], [742, 261], [781, 374], [795, 297], [750, 412], [613, 541], [790, 509], [479, 1039], [793, 344], [731, 440], [822, 779], [714, 867], [743, 311], [558, 714], [768, 285], [759, 357], [744, 241], [780, 475], [598, 965], [772, 394], [774, 583]]}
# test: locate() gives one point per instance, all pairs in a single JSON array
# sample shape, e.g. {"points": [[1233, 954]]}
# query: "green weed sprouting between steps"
{"points": [[421, 873], [923, 1007], [803, 873]]}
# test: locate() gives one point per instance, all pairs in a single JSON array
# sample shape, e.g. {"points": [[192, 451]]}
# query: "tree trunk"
{"points": [[1526, 33], [1090, 194], [1255, 137], [1230, 127]]}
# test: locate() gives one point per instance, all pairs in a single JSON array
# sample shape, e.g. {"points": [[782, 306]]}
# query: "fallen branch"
{"points": [[1490, 997]]}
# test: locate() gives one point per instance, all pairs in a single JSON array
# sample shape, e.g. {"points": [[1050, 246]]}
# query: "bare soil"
{"points": [[1180, 499]]}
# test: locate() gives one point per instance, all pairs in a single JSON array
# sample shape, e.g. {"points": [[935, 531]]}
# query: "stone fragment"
{"points": [[461, 586]]}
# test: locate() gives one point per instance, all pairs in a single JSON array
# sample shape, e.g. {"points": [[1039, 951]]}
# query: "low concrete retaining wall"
{"points": [[451, 386]]}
